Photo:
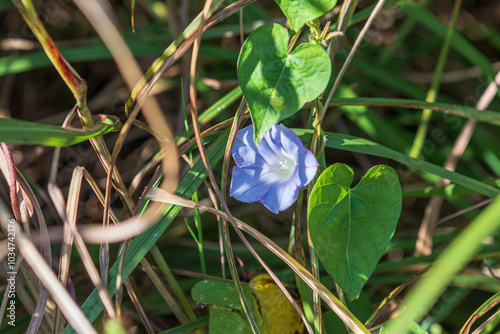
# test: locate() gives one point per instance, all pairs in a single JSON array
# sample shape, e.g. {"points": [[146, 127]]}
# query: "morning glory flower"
{"points": [[273, 172]]}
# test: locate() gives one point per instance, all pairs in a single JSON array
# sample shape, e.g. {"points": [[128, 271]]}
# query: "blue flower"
{"points": [[273, 172]]}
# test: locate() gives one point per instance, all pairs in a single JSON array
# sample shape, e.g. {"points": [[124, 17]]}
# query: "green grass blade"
{"points": [[359, 145], [487, 116], [493, 300], [20, 63], [14, 131], [458, 42], [433, 91], [447, 191]]}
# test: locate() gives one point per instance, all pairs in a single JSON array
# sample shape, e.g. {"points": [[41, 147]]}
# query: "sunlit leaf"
{"points": [[276, 83], [298, 12]]}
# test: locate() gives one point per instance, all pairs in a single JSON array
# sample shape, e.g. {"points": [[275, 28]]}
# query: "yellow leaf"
{"points": [[278, 313]]}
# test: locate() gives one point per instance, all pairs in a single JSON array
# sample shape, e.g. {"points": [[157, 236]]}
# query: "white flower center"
{"points": [[285, 168]]}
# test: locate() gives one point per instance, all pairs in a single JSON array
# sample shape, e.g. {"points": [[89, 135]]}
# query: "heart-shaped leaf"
{"points": [[276, 83], [350, 228], [298, 12]]}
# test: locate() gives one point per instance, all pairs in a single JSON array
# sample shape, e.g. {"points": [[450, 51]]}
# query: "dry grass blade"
{"points": [[30, 212], [146, 169], [213, 198], [130, 71], [206, 163], [218, 127], [58, 199], [67, 245], [225, 173], [167, 296], [464, 211], [92, 233], [232, 136], [494, 300], [468, 325], [347, 317], [68, 216], [483, 326], [97, 191], [42, 270], [341, 24], [199, 141], [138, 306], [21, 291], [11, 177], [188, 273]]}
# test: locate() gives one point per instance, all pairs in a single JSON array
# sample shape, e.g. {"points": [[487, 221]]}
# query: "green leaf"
{"points": [[226, 311], [224, 322], [15, 131], [298, 12], [276, 83], [221, 294], [350, 228]]}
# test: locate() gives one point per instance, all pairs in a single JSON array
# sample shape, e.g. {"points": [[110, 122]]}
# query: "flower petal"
{"points": [[309, 160], [280, 196], [250, 184], [270, 146], [304, 174], [273, 172], [244, 151], [291, 144]]}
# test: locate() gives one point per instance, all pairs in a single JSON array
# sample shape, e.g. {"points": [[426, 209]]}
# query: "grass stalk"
{"points": [[432, 93]]}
